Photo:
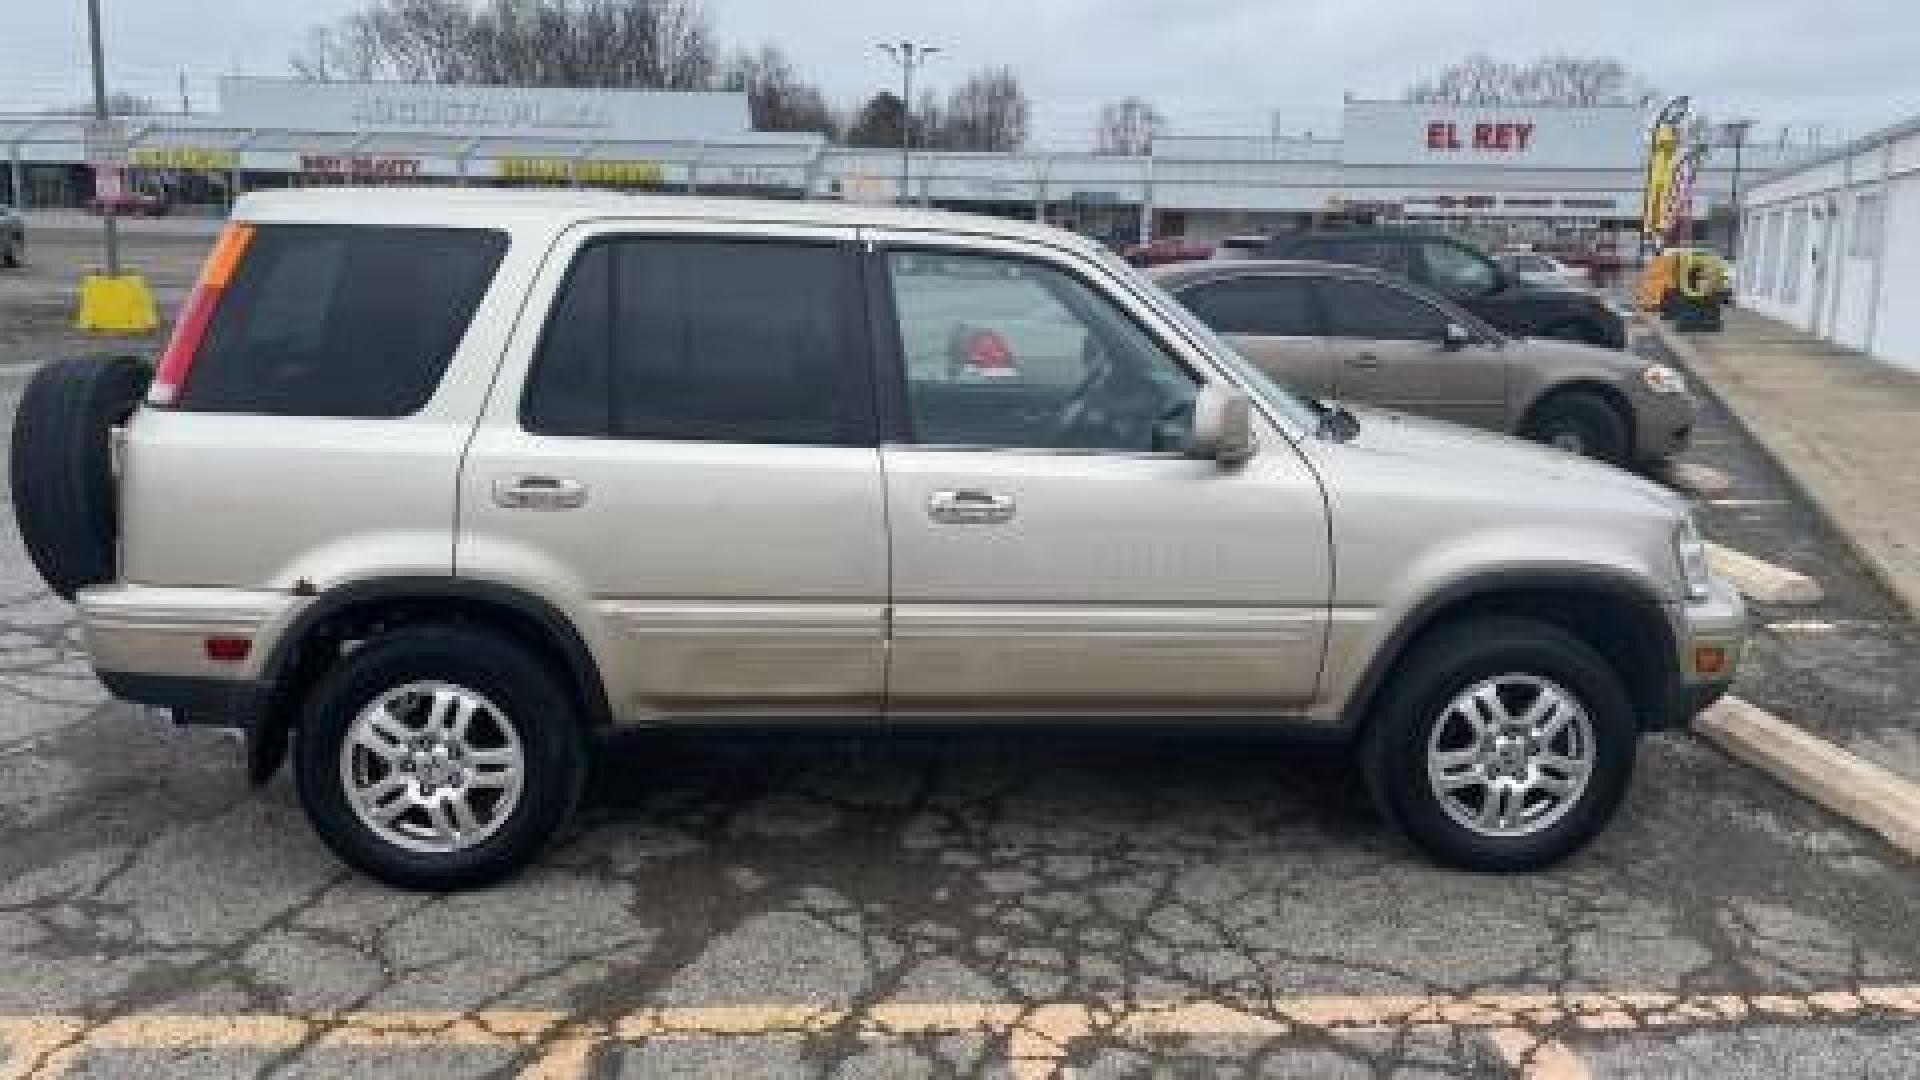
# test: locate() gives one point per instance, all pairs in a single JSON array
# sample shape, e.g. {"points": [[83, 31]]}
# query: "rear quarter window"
{"points": [[341, 320]]}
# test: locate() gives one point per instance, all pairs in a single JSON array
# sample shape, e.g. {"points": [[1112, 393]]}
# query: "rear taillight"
{"points": [[191, 327]]}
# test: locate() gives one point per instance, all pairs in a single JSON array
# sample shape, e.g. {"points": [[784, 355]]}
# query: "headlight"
{"points": [[1662, 379], [1691, 551]]}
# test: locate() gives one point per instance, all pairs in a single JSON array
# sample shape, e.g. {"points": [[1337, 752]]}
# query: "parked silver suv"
{"points": [[450, 483]]}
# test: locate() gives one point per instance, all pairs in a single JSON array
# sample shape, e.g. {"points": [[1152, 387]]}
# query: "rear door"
{"points": [[1274, 321], [1392, 351], [691, 464]]}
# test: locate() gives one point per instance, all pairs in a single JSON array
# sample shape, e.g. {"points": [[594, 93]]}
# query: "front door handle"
{"points": [[1363, 360], [537, 492], [969, 508]]}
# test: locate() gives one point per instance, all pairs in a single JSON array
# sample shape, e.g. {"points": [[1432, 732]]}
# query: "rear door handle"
{"points": [[537, 492], [1363, 360], [967, 507]]}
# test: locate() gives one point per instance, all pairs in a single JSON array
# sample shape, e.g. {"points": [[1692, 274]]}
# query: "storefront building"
{"points": [[1513, 174], [1832, 245]]}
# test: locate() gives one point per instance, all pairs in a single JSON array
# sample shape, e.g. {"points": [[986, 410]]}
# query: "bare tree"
{"points": [[878, 122], [776, 95], [930, 123], [1549, 80], [1128, 126], [658, 44], [987, 112]]}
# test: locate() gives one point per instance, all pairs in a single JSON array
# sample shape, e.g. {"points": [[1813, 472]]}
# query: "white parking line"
{"points": [[1802, 626]]}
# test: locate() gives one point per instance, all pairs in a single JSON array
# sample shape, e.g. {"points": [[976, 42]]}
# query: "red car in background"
{"points": [[1170, 249], [129, 204]]}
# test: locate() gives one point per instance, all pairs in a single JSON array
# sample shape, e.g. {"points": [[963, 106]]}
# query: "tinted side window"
{"points": [[1272, 306], [568, 391], [341, 320], [1009, 352], [1458, 271], [703, 340], [1360, 309]]}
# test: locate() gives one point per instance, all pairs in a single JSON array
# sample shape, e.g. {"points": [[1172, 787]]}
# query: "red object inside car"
{"points": [[989, 355]]}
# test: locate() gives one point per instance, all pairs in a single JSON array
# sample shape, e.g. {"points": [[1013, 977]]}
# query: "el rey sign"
{"points": [[1504, 137]]}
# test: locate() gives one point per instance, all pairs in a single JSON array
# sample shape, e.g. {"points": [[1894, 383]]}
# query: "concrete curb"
{"points": [[1858, 790], [1697, 479], [1817, 477], [1760, 580]]}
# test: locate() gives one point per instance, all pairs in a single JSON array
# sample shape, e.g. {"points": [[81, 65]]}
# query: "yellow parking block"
{"points": [[119, 304]]}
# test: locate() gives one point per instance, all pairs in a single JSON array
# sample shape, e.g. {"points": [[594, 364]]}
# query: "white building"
{"points": [[1529, 172], [1833, 245]]}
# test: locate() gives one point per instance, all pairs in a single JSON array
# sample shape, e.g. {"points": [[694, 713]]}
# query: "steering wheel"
{"points": [[1079, 407]]}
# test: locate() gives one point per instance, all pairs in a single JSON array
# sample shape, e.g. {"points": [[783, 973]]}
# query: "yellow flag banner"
{"points": [[1654, 210]]}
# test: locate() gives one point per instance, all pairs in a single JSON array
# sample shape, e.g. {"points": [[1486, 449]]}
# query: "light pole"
{"points": [[100, 122], [908, 55], [1737, 131]]}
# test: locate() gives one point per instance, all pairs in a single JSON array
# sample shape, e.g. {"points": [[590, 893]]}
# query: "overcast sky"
{"points": [[1214, 66]]}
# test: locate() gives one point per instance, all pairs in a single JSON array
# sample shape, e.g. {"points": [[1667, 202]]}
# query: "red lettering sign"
{"points": [[1504, 137]]}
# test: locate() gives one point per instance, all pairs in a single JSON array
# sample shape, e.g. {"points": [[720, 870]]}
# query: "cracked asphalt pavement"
{"points": [[918, 906]]}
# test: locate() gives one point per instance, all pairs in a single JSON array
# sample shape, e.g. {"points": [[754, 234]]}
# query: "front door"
{"points": [[1391, 350], [692, 470], [1272, 320], [1053, 552]]}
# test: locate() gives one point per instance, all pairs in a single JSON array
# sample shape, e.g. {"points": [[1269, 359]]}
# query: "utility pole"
{"points": [[101, 122], [186, 107], [1737, 131], [908, 55]]}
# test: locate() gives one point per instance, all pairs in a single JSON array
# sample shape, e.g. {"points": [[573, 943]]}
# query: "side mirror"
{"points": [[1455, 337], [1222, 426]]}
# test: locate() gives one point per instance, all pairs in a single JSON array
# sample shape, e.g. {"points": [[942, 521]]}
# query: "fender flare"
{"points": [[1456, 595]]}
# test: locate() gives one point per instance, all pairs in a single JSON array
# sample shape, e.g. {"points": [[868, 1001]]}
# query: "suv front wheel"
{"points": [[439, 757], [1502, 744]]}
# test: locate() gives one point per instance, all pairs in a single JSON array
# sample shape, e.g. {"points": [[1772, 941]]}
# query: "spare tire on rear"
{"points": [[64, 493]]}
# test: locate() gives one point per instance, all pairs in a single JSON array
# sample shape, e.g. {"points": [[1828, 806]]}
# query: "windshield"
{"points": [[1289, 403]]}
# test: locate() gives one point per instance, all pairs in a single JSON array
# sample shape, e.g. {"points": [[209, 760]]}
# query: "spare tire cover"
{"points": [[64, 493]]}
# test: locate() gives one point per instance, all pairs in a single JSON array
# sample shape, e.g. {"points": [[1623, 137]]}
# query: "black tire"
{"points": [[504, 672], [1457, 657], [1584, 423], [1579, 331], [64, 495]]}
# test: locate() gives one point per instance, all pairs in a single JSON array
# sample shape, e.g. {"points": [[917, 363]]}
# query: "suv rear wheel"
{"points": [[1581, 422], [439, 757], [1502, 744]]}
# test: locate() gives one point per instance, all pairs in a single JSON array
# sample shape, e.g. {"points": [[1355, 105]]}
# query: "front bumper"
{"points": [[1713, 628]]}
